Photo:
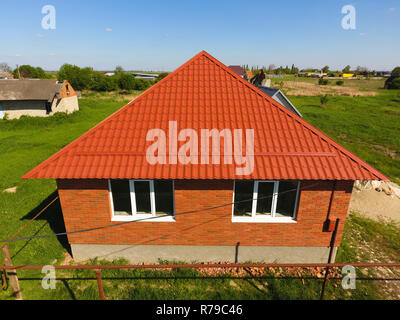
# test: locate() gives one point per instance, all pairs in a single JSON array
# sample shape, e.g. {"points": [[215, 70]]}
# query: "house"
{"points": [[347, 75], [36, 98], [240, 71], [155, 180], [145, 76], [280, 97], [6, 75]]}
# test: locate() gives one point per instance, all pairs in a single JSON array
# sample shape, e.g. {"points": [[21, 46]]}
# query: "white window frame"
{"points": [[262, 219], [140, 217]]}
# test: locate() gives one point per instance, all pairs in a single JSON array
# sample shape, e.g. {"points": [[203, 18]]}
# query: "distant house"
{"points": [[36, 98], [6, 75], [279, 96], [385, 74], [145, 76], [240, 71], [249, 74], [347, 75]]}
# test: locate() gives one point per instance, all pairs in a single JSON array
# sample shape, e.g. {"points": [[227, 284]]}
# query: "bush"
{"points": [[339, 82], [78, 78], [322, 82], [126, 81], [101, 82], [324, 100], [393, 82]]}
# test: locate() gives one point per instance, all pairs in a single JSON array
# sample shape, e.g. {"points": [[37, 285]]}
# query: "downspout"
{"points": [[328, 224]]}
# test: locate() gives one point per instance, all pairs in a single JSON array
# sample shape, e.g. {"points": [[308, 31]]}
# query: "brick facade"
{"points": [[86, 204]]}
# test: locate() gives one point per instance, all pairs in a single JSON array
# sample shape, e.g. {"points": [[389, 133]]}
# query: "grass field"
{"points": [[368, 126]]}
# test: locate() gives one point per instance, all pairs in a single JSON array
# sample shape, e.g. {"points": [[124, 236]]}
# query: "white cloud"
{"points": [[39, 35], [392, 9], [108, 29], [362, 34], [18, 55], [52, 54]]}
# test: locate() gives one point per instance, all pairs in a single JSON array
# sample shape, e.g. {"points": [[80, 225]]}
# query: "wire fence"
{"points": [[328, 266]]}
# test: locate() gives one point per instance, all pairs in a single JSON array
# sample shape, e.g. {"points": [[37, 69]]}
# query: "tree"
{"points": [[101, 82], [161, 76], [346, 69], [29, 72], [325, 69], [118, 70], [394, 81], [126, 81], [4, 67], [78, 78], [396, 72]]}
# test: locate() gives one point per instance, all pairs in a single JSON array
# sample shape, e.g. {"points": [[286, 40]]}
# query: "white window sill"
{"points": [[263, 220], [144, 218]]}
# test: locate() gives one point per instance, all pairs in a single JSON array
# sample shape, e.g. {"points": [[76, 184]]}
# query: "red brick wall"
{"points": [[86, 204]]}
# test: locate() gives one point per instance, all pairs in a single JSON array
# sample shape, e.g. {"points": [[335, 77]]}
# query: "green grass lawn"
{"points": [[368, 126]]}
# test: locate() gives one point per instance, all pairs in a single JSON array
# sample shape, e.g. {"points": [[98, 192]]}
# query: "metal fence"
{"points": [[98, 268]]}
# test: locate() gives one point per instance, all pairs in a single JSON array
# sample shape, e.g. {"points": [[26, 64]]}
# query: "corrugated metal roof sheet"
{"points": [[205, 94]]}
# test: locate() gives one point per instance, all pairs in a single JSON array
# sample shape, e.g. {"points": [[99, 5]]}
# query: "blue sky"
{"points": [[162, 35]]}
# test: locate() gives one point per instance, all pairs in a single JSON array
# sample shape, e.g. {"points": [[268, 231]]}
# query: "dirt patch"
{"points": [[299, 88], [375, 205]]}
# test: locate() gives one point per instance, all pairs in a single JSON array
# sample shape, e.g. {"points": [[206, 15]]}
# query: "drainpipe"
{"points": [[329, 224]]}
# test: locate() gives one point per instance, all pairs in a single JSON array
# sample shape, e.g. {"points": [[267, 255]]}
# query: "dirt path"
{"points": [[375, 205]]}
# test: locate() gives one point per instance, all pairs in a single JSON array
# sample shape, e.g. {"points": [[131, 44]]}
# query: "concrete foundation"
{"points": [[153, 253]]}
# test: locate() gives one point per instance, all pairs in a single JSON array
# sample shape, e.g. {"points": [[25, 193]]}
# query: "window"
{"points": [[141, 199], [265, 201]]}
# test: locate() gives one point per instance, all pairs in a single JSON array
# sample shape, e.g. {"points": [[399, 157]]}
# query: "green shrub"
{"points": [[126, 81], [322, 82], [339, 82], [324, 100], [393, 82]]}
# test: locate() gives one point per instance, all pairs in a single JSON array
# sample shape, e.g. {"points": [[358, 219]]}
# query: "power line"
{"points": [[150, 218]]}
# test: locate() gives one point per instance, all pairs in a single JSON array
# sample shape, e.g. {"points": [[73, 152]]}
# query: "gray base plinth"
{"points": [[154, 253]]}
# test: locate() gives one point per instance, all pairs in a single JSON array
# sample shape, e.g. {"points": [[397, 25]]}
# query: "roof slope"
{"points": [[33, 89], [204, 94]]}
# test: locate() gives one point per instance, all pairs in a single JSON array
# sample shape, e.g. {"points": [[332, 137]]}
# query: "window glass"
{"points": [[286, 199], [164, 197], [243, 191], [264, 198], [121, 197], [142, 194]]}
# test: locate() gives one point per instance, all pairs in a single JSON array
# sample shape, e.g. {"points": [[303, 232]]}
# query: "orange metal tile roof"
{"points": [[205, 94]]}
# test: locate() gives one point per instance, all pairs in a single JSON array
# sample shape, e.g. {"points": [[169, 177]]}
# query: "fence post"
{"points": [[332, 246], [99, 283], [12, 274]]}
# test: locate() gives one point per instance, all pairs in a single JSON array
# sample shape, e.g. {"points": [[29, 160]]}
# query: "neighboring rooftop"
{"points": [[240, 71], [205, 94], [280, 97], [33, 89]]}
